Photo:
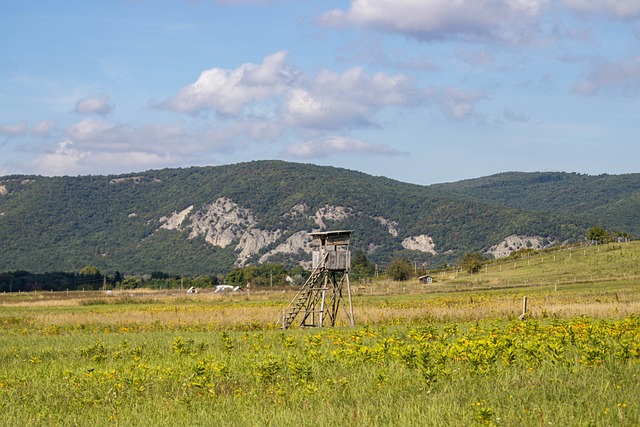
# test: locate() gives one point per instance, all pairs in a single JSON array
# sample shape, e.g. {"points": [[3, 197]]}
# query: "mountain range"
{"points": [[206, 220]]}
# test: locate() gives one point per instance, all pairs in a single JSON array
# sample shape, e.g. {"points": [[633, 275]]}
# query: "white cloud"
{"points": [[103, 136], [99, 146], [64, 160], [96, 133], [277, 91], [262, 103], [15, 129], [351, 98], [228, 92], [621, 9], [43, 128], [70, 158], [623, 75], [439, 19], [95, 104], [336, 145]]}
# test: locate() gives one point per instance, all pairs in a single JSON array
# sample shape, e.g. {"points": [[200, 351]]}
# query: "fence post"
{"points": [[524, 308]]}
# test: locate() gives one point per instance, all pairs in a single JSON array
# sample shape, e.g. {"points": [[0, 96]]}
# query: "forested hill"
{"points": [[205, 220], [612, 201]]}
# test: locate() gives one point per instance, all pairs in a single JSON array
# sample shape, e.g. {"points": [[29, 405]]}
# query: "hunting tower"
{"points": [[318, 301]]}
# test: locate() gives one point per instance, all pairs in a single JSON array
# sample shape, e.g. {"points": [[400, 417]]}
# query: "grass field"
{"points": [[452, 353]]}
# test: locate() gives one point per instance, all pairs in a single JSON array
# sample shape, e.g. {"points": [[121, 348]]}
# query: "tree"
{"points": [[400, 269], [159, 275], [598, 235], [271, 273], [131, 282], [90, 270], [117, 277], [472, 262], [90, 277], [202, 282], [250, 272], [361, 267], [236, 277], [298, 274], [622, 236]]}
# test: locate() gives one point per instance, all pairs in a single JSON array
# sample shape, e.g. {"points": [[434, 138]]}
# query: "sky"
{"points": [[422, 91]]}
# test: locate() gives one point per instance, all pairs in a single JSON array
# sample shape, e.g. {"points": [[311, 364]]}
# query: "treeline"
{"points": [[90, 278], [24, 281], [607, 199]]}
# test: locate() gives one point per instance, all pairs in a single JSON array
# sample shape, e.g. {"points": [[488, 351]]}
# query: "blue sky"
{"points": [[420, 91]]}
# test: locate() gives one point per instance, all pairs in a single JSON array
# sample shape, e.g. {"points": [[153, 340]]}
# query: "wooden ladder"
{"points": [[301, 300]]}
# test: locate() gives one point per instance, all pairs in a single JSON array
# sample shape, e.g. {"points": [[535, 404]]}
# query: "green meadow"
{"points": [[452, 353]]}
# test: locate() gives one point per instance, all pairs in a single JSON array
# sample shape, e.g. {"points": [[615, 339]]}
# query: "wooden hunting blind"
{"points": [[319, 299]]}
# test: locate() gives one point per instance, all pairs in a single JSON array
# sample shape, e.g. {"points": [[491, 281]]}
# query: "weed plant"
{"points": [[454, 355], [556, 372]]}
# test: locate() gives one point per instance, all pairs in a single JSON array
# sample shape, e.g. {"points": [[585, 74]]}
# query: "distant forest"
{"points": [[116, 222], [24, 281]]}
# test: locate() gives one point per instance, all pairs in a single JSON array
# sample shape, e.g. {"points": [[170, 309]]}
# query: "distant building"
{"points": [[426, 279]]}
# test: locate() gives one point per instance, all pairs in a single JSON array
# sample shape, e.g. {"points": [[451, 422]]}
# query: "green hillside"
{"points": [[610, 200], [125, 223], [559, 268]]}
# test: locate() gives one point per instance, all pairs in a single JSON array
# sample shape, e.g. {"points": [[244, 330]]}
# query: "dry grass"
{"points": [[599, 282], [169, 310]]}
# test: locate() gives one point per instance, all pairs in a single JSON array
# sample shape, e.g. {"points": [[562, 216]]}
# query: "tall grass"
{"points": [[454, 353], [577, 372]]}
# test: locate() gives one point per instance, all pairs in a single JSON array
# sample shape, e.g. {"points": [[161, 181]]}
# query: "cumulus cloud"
{"points": [[620, 9], [97, 133], [228, 92], [336, 145], [439, 19], [100, 135], [512, 21], [261, 102], [94, 135], [99, 146], [276, 90], [351, 98], [15, 129], [94, 104], [92, 151], [63, 160], [69, 159], [40, 129], [622, 75]]}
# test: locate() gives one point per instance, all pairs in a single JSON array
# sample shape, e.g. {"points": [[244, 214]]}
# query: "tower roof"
{"points": [[336, 237]]}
